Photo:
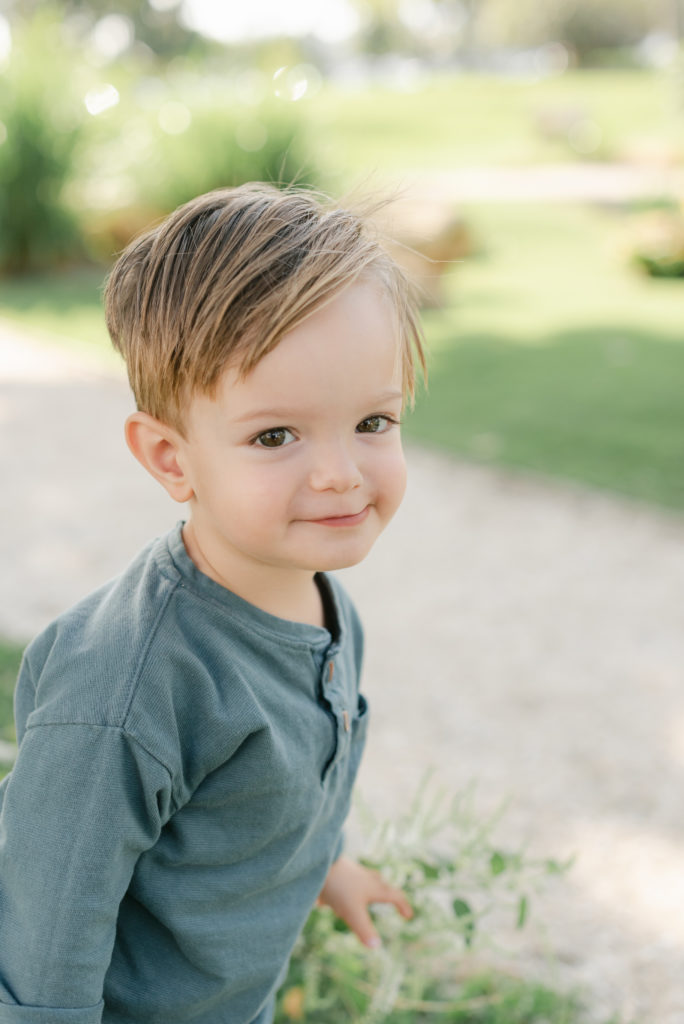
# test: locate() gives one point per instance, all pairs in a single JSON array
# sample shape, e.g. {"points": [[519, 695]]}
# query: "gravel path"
{"points": [[522, 634]]}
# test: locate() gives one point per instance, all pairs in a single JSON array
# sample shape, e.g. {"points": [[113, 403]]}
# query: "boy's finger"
{"points": [[360, 923], [404, 907], [396, 897]]}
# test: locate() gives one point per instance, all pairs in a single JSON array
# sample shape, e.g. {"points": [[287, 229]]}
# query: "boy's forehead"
{"points": [[312, 387], [310, 391], [354, 339]]}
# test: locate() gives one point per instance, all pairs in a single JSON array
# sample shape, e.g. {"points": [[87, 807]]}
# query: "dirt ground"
{"points": [[523, 635]]}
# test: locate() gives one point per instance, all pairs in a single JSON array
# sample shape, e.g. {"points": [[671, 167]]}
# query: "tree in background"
{"points": [[470, 30], [153, 26], [101, 134], [41, 126], [585, 27]]}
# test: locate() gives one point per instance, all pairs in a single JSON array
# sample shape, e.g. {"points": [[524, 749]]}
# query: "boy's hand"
{"points": [[350, 888]]}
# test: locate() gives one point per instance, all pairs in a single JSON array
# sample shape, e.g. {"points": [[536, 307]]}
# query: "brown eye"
{"points": [[373, 425], [276, 438]]}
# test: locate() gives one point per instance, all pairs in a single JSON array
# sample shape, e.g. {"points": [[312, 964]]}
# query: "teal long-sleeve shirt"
{"points": [[185, 766]]}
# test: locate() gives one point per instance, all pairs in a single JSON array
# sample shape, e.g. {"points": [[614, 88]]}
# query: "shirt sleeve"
{"points": [[80, 806], [339, 849]]}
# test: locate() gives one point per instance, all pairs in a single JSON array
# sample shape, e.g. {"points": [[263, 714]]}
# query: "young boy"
{"points": [[189, 734]]}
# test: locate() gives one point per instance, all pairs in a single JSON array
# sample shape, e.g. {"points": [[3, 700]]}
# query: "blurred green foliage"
{"points": [[112, 119], [158, 30], [226, 145], [41, 128], [464, 889], [587, 27], [448, 121], [93, 148], [10, 658], [554, 355], [172, 138], [62, 305], [593, 30], [658, 240]]}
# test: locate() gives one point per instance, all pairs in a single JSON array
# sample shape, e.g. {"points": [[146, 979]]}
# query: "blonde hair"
{"points": [[226, 276]]}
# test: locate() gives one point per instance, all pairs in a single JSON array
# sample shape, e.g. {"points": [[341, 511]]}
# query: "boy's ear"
{"points": [[156, 446]]}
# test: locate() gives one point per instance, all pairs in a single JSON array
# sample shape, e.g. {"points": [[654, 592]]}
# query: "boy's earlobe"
{"points": [[156, 446]]}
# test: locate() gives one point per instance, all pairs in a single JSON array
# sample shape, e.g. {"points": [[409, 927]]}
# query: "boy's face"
{"points": [[298, 467]]}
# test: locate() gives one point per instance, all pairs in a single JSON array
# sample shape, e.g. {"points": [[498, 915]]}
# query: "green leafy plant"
{"points": [[441, 852], [10, 658], [41, 125], [168, 142], [658, 243]]}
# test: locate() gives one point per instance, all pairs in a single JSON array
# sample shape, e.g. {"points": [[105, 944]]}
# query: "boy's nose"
{"points": [[335, 470]]}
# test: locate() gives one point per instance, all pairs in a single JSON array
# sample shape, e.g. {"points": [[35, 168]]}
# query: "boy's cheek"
{"points": [[395, 483]]}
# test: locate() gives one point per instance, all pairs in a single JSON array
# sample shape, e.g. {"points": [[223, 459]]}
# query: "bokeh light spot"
{"points": [[112, 35], [293, 83], [333, 21], [102, 98]]}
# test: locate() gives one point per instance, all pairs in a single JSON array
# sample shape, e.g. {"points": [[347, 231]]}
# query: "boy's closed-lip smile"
{"points": [[349, 520]]}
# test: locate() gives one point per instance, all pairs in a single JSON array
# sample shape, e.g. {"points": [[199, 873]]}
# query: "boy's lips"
{"points": [[351, 520]]}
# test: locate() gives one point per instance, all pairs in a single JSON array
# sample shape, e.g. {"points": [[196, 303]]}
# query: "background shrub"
{"points": [[41, 127], [172, 141]]}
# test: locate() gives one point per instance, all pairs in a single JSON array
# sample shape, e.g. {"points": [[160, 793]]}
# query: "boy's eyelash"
{"points": [[382, 416], [270, 430], [373, 416]]}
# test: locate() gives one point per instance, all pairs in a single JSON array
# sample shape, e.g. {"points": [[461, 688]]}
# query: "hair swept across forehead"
{"points": [[227, 275]]}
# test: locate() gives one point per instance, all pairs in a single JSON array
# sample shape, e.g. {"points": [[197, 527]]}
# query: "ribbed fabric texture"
{"points": [[184, 771]]}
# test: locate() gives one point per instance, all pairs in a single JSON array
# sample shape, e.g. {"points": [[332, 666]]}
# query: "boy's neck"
{"points": [[287, 595]]}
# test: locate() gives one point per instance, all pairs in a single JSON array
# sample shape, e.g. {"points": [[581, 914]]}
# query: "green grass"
{"points": [[10, 657], [64, 304], [554, 356], [454, 120]]}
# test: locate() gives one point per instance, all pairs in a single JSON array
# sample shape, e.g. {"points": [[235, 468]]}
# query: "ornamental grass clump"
{"points": [[442, 854]]}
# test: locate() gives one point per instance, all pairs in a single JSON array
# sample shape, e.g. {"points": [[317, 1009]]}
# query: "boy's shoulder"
{"points": [[83, 666]]}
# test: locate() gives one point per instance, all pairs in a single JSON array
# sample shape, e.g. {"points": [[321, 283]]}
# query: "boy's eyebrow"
{"points": [[285, 413]]}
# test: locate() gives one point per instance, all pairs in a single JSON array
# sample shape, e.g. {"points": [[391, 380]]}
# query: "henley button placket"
{"points": [[345, 713]]}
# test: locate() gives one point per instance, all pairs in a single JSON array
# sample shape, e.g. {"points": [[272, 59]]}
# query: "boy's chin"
{"points": [[341, 562]]}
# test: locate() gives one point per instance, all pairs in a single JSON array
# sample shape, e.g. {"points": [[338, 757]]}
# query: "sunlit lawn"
{"points": [[450, 121], [556, 356], [64, 306], [10, 656]]}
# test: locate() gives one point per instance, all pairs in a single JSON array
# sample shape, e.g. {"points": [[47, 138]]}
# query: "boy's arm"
{"points": [[80, 806], [350, 888]]}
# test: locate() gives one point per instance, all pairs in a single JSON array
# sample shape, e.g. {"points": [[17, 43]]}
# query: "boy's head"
{"points": [[222, 280]]}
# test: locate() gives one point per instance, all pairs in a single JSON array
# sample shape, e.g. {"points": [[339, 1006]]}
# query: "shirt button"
{"points": [[331, 672], [345, 717]]}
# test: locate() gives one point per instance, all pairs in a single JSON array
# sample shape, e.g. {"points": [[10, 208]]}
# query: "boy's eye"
{"points": [[375, 425], [276, 438]]}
